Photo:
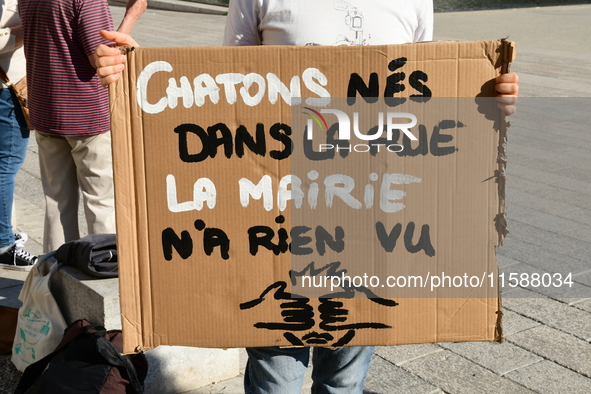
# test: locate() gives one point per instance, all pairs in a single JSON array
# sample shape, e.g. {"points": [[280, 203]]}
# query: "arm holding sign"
{"points": [[109, 61], [133, 11]]}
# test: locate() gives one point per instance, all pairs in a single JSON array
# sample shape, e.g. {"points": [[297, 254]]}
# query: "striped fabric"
{"points": [[65, 94]]}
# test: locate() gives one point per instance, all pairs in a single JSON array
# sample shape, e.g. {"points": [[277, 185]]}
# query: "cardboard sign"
{"points": [[321, 196]]}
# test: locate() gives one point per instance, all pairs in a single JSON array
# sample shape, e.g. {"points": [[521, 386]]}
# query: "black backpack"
{"points": [[87, 360]]}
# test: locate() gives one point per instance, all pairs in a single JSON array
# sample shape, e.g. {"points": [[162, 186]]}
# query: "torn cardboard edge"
{"points": [[509, 53], [508, 57]]}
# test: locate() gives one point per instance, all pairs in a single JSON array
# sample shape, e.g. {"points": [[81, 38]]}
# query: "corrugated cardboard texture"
{"points": [[188, 274]]}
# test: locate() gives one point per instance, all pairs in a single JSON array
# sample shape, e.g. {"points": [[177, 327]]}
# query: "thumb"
{"points": [[120, 39]]}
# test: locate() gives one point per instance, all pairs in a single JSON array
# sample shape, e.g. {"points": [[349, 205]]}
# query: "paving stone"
{"points": [[526, 34], [549, 191], [35, 247], [548, 284], [533, 174], [455, 374], [557, 87], [582, 234], [31, 226], [542, 204], [584, 278], [580, 215], [31, 163], [514, 322], [543, 220], [9, 277], [525, 122], [501, 358], [504, 261], [551, 160], [34, 243], [29, 187], [540, 257], [565, 295], [575, 173], [383, 377], [580, 150], [547, 377], [24, 203], [529, 62], [398, 355], [178, 369], [574, 185], [561, 138], [506, 292], [24, 209], [558, 121], [230, 386], [530, 133], [529, 161], [574, 157], [558, 243], [553, 313], [33, 220], [33, 229], [583, 305], [556, 346], [30, 218]]}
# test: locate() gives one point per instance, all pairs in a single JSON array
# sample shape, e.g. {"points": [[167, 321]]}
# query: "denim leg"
{"points": [[14, 136], [340, 371], [274, 370]]}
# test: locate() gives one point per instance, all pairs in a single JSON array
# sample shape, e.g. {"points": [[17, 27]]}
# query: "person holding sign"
{"points": [[70, 111], [313, 22]]}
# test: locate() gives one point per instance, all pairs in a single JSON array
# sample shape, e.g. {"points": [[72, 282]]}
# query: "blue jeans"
{"points": [[274, 370], [14, 136]]}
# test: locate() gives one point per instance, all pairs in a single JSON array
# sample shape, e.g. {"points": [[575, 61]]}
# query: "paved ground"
{"points": [[548, 333]]}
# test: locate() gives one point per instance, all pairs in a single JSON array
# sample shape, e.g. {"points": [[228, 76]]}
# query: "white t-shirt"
{"points": [[328, 22]]}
